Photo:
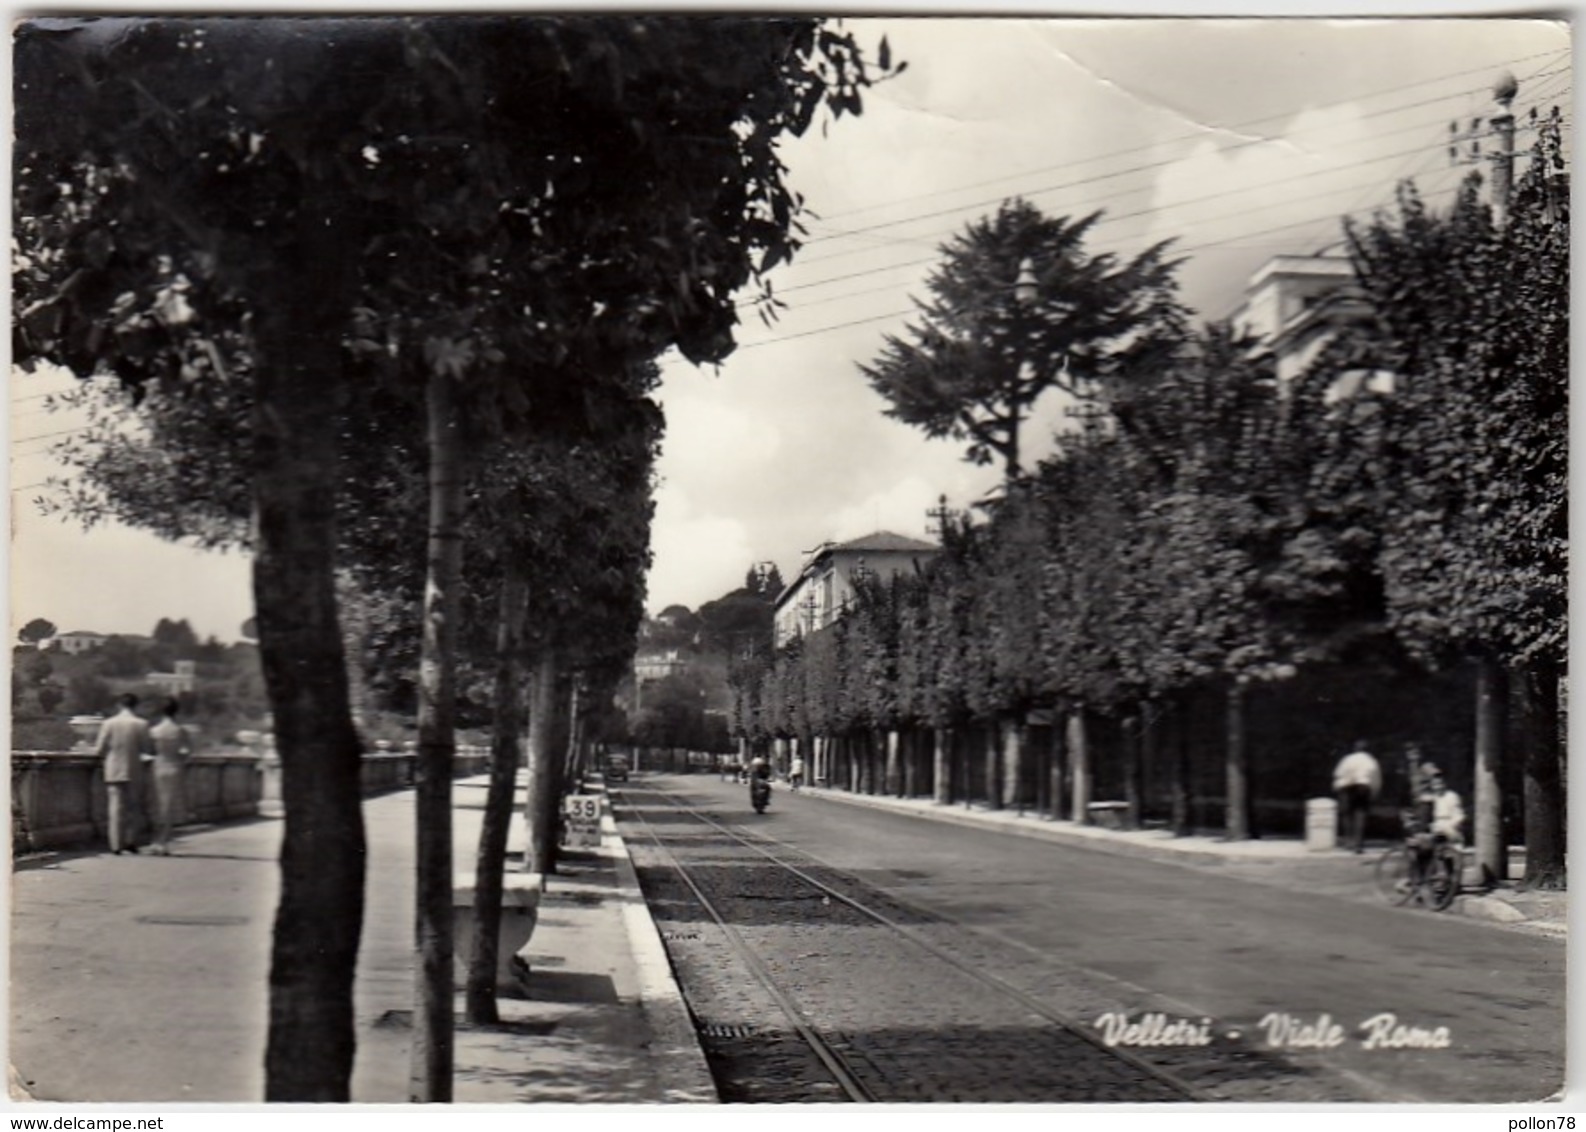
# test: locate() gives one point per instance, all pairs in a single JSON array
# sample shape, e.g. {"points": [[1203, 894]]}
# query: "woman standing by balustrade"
{"points": [[171, 748]]}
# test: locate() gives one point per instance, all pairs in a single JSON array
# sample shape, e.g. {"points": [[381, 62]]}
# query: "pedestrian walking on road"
{"points": [[1357, 780], [171, 748], [795, 772], [123, 741]]}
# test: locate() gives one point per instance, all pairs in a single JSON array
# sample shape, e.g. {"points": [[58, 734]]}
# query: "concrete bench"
{"points": [[520, 911], [1107, 815]]}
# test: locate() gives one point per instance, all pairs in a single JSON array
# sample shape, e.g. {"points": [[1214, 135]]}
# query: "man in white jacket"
{"points": [[123, 741], [1357, 780]]}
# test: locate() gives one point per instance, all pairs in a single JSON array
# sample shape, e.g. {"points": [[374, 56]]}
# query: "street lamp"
{"points": [[1026, 289], [1027, 292]]}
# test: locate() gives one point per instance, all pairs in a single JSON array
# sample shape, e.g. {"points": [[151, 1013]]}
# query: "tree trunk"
{"points": [[942, 766], [545, 764], [1151, 721], [1059, 759], [894, 771], [430, 1076], [573, 765], [1487, 822], [1237, 819], [991, 739], [910, 738], [319, 917], [490, 862], [1079, 764], [1183, 819], [1544, 793], [1013, 744], [1133, 740]]}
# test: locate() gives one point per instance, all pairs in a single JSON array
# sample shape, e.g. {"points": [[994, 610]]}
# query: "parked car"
{"points": [[616, 769]]}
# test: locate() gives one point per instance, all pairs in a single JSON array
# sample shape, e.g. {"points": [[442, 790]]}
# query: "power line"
{"points": [[825, 330], [1240, 241], [1237, 127], [1093, 179], [45, 435], [1260, 186], [1310, 175], [1373, 184], [1432, 148]]}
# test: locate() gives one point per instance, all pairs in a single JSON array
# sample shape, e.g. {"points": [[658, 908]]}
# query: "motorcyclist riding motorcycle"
{"points": [[759, 784]]}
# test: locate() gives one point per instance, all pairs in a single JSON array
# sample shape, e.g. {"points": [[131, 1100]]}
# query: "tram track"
{"points": [[842, 1073], [1093, 1070]]}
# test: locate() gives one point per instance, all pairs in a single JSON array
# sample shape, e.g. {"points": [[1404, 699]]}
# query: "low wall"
{"points": [[58, 797]]}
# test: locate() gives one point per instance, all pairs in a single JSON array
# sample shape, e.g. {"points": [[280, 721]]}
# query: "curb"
{"points": [[687, 1076], [1489, 909], [1037, 829]]}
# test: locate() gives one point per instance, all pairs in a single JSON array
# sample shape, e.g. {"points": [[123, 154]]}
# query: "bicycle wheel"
{"points": [[1442, 887], [1393, 876]]}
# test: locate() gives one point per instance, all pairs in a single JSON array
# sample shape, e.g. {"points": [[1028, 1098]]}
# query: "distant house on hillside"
{"points": [[657, 664], [1295, 304], [825, 585], [174, 683], [76, 641]]}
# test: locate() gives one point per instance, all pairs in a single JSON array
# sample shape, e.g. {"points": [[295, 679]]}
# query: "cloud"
{"points": [[900, 508], [698, 557], [119, 580], [706, 434]]}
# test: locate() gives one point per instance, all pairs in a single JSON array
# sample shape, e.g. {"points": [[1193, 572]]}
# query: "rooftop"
{"points": [[881, 541]]}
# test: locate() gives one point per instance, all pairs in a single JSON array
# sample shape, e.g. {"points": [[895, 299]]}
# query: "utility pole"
{"points": [[1489, 841], [1503, 128], [1501, 157], [940, 515]]}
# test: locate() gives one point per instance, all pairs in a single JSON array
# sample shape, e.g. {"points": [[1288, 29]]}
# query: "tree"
{"points": [[36, 631], [1469, 462], [739, 623], [87, 694], [39, 670], [50, 694], [255, 203], [1019, 307], [178, 634], [571, 516]]}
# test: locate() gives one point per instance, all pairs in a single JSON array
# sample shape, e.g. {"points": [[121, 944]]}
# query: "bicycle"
{"points": [[1424, 869]]}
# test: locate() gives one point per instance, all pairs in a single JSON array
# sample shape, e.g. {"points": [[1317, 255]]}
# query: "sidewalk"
{"points": [[144, 979], [1277, 861]]}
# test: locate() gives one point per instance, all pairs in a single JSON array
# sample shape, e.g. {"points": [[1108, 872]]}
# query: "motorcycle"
{"points": [[759, 794]]}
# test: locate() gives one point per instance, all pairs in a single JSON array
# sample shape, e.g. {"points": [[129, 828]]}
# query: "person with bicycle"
{"points": [[1441, 815]]}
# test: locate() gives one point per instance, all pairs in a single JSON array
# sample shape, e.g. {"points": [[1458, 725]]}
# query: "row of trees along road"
{"points": [[418, 308], [1211, 530]]}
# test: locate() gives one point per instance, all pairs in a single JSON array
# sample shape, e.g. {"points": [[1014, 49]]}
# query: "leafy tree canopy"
{"points": [[1017, 307], [36, 631]]}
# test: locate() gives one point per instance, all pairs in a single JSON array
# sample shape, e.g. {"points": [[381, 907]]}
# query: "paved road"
{"points": [[1097, 932]]}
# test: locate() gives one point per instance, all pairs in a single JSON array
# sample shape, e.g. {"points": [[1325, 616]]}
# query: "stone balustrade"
{"points": [[58, 797]]}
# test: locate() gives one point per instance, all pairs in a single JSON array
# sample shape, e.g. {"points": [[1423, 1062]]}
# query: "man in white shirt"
{"points": [[1357, 779], [1448, 812]]}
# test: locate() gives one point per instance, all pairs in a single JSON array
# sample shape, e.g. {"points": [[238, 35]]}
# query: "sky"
{"points": [[1238, 139]]}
